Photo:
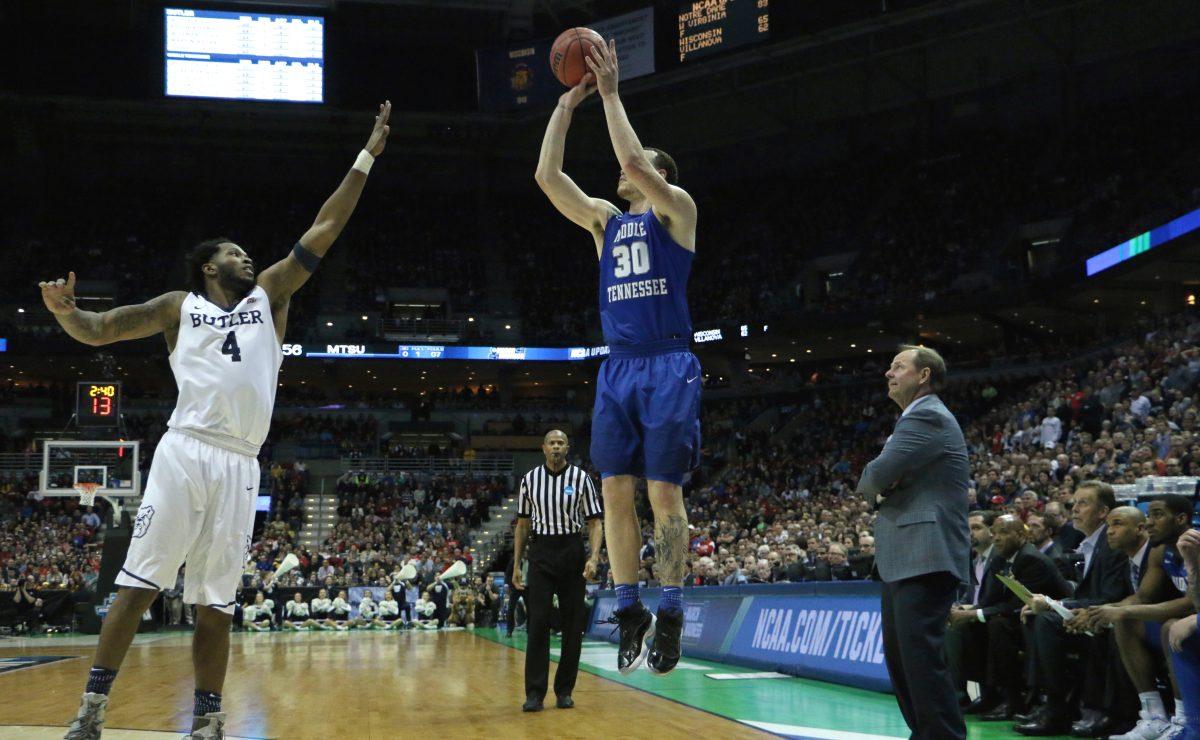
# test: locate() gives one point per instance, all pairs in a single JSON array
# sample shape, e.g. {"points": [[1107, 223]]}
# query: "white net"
{"points": [[87, 493]]}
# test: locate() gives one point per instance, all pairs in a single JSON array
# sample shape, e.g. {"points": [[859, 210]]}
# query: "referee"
{"points": [[556, 498]]}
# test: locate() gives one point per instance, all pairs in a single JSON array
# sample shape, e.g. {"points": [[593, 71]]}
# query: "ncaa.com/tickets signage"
{"points": [[827, 631]]}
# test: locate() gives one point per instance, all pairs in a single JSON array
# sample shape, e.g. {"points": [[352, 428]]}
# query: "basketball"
{"points": [[567, 54]]}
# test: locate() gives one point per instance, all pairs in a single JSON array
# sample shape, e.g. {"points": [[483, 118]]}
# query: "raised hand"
{"points": [[379, 134], [603, 63], [576, 95], [59, 295]]}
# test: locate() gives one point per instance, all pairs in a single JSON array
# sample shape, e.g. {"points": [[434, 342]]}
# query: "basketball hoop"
{"points": [[87, 493]]}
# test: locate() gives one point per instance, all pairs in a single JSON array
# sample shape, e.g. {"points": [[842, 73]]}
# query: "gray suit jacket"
{"points": [[922, 473]]}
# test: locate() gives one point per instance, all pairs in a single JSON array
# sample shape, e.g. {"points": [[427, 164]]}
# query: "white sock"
{"points": [[1180, 713], [1152, 705]]}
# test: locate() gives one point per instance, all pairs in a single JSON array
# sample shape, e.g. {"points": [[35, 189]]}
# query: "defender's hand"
{"points": [[59, 295], [603, 63], [518, 582], [589, 570], [576, 95], [379, 134]]}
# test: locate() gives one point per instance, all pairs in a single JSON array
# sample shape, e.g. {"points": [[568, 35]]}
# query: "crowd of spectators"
{"points": [[786, 496]]}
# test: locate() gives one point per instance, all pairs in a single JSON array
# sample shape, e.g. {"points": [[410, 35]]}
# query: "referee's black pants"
{"points": [[555, 567]]}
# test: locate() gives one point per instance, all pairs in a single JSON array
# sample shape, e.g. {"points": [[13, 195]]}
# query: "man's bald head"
{"points": [[554, 447], [1009, 534], [1126, 529]]}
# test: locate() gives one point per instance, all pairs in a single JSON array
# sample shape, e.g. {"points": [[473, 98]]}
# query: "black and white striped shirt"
{"points": [[558, 502]]}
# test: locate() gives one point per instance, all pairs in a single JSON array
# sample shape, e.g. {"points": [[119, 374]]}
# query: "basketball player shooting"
{"points": [[646, 419], [224, 337]]}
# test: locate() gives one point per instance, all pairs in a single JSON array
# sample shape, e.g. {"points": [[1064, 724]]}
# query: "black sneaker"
{"points": [[664, 650], [637, 626]]}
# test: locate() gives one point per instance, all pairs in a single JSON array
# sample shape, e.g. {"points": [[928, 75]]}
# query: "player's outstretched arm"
{"points": [[125, 322], [589, 213], [285, 277], [668, 200]]}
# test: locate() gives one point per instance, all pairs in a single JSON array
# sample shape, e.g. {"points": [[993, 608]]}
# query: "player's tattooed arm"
{"points": [[670, 547], [285, 277], [581, 209], [156, 315]]}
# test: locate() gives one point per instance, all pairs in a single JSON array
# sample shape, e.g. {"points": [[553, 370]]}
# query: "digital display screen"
{"points": [[382, 351], [1144, 242], [245, 56], [710, 26], [98, 403]]}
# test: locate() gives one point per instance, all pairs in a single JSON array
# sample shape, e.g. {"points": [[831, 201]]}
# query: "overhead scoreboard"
{"points": [[710, 26], [244, 56]]}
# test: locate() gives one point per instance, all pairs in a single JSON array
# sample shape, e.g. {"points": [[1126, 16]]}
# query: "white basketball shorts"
{"points": [[198, 509]]}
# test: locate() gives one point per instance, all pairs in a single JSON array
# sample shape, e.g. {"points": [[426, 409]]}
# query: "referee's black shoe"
{"points": [[637, 627], [565, 702], [533, 703], [664, 650]]}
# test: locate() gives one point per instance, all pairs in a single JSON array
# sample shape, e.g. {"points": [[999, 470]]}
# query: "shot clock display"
{"points": [[98, 403], [709, 26]]}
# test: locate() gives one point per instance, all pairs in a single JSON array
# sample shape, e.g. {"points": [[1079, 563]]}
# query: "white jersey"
{"points": [[226, 364], [296, 609], [341, 609], [322, 607], [389, 608], [366, 609]]}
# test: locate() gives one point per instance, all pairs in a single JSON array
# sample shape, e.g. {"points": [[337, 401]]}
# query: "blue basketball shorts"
{"points": [[646, 420]]}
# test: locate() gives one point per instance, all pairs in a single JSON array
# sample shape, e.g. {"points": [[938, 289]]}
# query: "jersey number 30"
{"points": [[231, 347], [633, 258]]}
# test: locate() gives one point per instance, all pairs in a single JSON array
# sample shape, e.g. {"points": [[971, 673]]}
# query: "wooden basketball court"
{"points": [[334, 684]]}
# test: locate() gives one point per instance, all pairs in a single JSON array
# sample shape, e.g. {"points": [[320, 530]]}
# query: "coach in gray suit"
{"points": [[918, 485]]}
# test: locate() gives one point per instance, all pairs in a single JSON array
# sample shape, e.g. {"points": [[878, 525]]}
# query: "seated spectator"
{"points": [[388, 616], [1157, 572], [295, 613], [259, 616], [1050, 637], [991, 629], [1183, 643]]}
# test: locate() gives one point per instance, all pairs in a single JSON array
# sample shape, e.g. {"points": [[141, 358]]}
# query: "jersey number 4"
{"points": [[231, 347], [633, 258]]}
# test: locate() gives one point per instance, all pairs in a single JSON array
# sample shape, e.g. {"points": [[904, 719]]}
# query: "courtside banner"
{"points": [[826, 631], [838, 639]]}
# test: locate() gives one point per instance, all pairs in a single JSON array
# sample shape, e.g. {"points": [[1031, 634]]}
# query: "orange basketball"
{"points": [[568, 51]]}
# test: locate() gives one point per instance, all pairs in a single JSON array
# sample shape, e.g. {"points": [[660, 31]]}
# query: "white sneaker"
{"points": [[90, 720], [1174, 730], [212, 727], [1147, 728]]}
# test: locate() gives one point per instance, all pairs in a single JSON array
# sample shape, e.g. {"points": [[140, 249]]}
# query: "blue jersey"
{"points": [[1176, 570], [643, 282]]}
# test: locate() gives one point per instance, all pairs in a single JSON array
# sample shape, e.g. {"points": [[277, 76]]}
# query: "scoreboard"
{"points": [[710, 26], [98, 403], [244, 56]]}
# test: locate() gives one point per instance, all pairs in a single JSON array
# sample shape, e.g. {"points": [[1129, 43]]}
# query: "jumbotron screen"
{"points": [[709, 26], [244, 56]]}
